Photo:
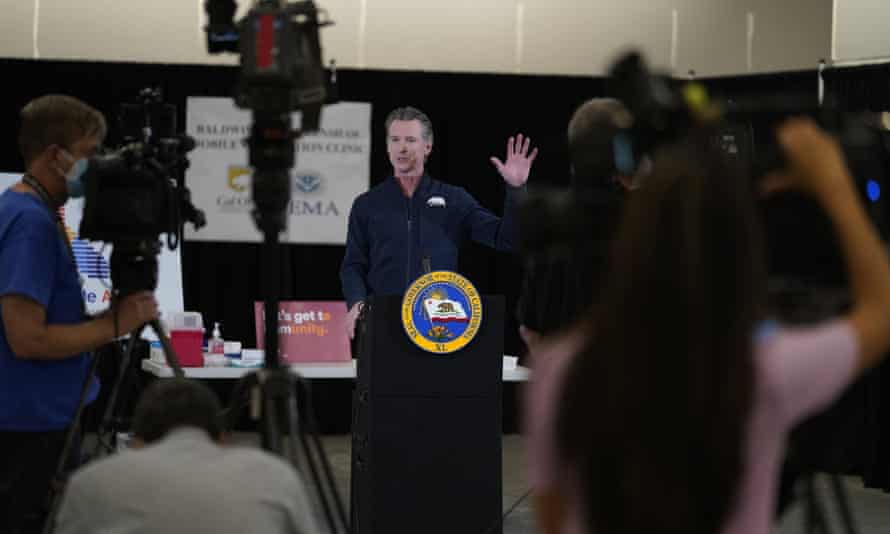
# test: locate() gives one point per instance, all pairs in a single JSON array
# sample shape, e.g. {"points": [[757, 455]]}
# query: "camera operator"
{"points": [[180, 478], [676, 409], [44, 332], [561, 280], [562, 271]]}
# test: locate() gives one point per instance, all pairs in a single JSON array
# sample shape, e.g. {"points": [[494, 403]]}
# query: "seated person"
{"points": [[180, 478]]}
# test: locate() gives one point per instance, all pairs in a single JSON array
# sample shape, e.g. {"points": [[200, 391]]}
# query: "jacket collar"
{"points": [[422, 188]]}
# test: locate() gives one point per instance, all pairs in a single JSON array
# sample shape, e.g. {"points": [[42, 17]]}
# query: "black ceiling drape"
{"points": [[861, 88]]}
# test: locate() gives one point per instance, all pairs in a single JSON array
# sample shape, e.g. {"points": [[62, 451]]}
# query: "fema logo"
{"points": [[441, 312], [307, 181]]}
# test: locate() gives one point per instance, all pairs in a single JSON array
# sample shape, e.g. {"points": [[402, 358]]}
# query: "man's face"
{"points": [[57, 160], [86, 147], [407, 148], [64, 157]]}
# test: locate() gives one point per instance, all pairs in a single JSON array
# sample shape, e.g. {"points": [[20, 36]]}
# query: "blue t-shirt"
{"points": [[38, 395]]}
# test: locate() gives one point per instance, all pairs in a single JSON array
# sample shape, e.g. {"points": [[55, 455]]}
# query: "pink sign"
{"points": [[308, 331]]}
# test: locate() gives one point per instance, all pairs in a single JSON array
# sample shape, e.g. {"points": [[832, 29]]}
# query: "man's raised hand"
{"points": [[518, 163]]}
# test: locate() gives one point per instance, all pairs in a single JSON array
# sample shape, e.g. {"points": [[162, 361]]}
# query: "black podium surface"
{"points": [[426, 452]]}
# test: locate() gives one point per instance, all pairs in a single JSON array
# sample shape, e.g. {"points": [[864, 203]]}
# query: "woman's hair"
{"points": [[654, 411]]}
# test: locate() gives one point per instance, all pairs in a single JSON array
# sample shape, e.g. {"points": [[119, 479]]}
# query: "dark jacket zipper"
{"points": [[410, 245]]}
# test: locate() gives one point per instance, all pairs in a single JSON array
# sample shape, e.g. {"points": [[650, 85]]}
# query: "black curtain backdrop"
{"points": [[472, 114], [760, 87], [862, 88], [867, 88]]}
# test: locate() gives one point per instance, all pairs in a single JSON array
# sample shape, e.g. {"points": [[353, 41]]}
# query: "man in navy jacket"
{"points": [[411, 222]]}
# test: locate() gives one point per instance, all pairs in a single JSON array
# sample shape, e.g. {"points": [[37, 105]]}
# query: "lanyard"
{"points": [[42, 193], [60, 225], [48, 201]]}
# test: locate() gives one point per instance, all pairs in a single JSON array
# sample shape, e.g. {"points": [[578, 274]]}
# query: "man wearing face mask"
{"points": [[45, 334]]}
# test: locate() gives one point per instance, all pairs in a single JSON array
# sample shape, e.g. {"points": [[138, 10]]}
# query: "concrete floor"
{"points": [[871, 508]]}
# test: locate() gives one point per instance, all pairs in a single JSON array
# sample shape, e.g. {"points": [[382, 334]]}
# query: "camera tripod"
{"points": [[106, 433], [278, 397], [134, 267], [107, 425], [282, 401], [815, 517]]}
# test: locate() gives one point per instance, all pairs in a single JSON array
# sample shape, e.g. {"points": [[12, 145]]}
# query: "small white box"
{"points": [[156, 352], [215, 360], [232, 349], [184, 321], [255, 355]]}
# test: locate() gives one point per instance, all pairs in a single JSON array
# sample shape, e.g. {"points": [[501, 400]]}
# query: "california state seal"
{"points": [[441, 312]]}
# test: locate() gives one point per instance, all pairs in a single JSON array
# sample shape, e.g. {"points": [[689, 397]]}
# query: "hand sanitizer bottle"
{"points": [[216, 345]]}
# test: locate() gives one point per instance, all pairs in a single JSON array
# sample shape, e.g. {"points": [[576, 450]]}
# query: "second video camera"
{"points": [[281, 72], [136, 193]]}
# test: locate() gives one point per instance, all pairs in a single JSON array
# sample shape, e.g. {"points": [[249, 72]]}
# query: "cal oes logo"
{"points": [[441, 312], [237, 180]]}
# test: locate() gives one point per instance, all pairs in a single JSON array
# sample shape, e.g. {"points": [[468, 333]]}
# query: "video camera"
{"points": [[559, 226], [665, 111], [281, 72], [802, 247], [137, 192]]}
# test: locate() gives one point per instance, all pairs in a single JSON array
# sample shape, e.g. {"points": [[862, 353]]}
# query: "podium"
{"points": [[426, 430]]}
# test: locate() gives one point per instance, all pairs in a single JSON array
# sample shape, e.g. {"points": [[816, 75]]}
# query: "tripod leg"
{"points": [[843, 504], [169, 353], [239, 399], [293, 425], [310, 462], [271, 414], [111, 407], [811, 519], [326, 470], [57, 482]]}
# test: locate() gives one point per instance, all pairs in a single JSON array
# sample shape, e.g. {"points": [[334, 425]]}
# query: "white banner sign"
{"points": [[859, 31], [93, 262], [332, 168]]}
